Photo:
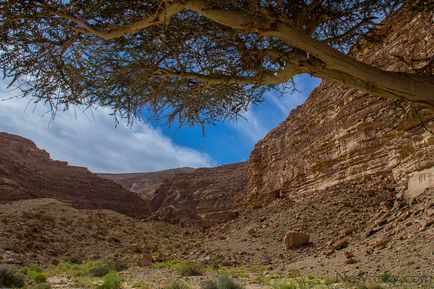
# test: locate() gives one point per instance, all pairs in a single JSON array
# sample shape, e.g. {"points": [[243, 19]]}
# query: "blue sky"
{"points": [[230, 142], [92, 139]]}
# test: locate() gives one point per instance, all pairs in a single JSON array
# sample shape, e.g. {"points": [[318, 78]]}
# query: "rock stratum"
{"points": [[190, 197], [342, 139], [27, 172], [204, 197]]}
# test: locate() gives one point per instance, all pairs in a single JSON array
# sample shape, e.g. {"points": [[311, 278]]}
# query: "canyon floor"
{"points": [[67, 246]]}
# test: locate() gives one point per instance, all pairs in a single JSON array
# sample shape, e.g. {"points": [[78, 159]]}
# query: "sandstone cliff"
{"points": [[144, 184], [190, 197], [204, 197], [349, 141], [27, 172]]}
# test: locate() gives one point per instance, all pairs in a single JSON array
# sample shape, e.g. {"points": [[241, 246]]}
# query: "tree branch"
{"points": [[270, 78], [160, 17]]}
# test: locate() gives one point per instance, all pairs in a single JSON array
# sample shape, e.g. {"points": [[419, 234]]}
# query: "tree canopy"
{"points": [[196, 61]]}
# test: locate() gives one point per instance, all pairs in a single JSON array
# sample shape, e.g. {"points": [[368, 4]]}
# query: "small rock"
{"points": [[381, 243], [295, 239], [340, 244], [251, 231], [351, 261], [144, 260]]}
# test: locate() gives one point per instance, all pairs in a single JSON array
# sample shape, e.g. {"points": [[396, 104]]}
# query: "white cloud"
{"points": [[251, 126], [93, 140]]}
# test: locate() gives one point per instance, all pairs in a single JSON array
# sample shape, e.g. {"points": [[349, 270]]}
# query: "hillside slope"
{"points": [[27, 172]]}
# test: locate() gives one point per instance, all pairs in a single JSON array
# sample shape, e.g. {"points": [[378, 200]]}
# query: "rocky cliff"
{"points": [[144, 184], [190, 197], [27, 172], [204, 197], [342, 139]]}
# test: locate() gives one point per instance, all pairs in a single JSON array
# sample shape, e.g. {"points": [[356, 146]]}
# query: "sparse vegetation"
{"points": [[102, 269], [34, 273], [73, 260], [177, 285], [111, 281], [385, 277], [189, 269], [9, 278], [223, 282]]}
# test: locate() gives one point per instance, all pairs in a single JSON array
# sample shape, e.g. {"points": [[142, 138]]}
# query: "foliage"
{"points": [[34, 273], [111, 281], [186, 65], [177, 285], [189, 269], [386, 276], [10, 278], [102, 269], [73, 260], [223, 282]]}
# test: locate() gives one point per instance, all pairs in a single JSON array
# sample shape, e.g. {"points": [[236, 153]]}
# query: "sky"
{"points": [[94, 140]]}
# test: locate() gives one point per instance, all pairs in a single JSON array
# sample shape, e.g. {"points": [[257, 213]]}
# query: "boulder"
{"points": [[294, 240]]}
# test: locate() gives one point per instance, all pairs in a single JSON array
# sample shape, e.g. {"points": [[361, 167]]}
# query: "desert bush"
{"points": [[223, 282], [177, 285], [72, 260], [99, 271], [111, 281], [189, 269], [116, 265], [10, 278], [102, 269], [34, 273], [386, 276]]}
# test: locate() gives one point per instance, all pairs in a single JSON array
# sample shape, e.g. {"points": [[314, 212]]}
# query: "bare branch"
{"points": [[160, 17]]}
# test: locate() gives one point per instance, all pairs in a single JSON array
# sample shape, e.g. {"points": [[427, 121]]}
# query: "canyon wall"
{"points": [[27, 172], [204, 197], [342, 139]]}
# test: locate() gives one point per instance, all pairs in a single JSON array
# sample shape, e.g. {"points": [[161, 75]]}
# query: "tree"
{"points": [[195, 60]]}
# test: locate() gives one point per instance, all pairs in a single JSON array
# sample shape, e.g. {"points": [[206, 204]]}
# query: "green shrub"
{"points": [[386, 276], [116, 265], [99, 271], [189, 269], [111, 281], [34, 273], [210, 285], [223, 282], [177, 285], [72, 260], [9, 278]]}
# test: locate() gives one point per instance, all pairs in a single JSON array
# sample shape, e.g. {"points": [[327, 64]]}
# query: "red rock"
{"points": [[144, 260], [342, 139], [294, 240], [340, 244], [27, 172]]}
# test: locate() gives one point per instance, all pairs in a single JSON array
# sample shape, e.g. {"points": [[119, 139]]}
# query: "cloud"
{"points": [[92, 139], [251, 126], [259, 120]]}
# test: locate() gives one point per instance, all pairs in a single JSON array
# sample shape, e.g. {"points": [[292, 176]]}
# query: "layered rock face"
{"points": [[203, 197], [28, 172], [144, 184], [342, 139]]}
